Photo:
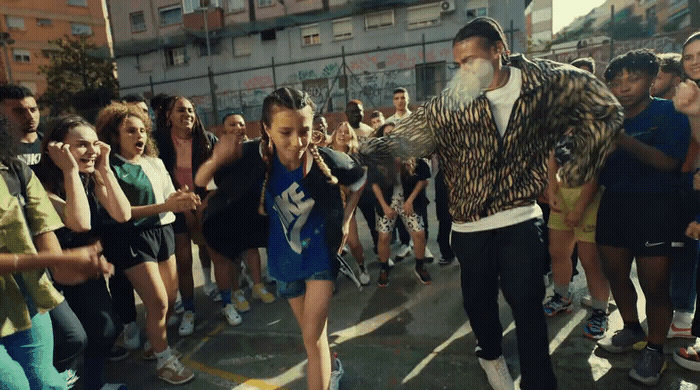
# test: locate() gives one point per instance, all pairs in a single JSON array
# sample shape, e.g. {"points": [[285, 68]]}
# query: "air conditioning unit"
{"points": [[447, 6]]}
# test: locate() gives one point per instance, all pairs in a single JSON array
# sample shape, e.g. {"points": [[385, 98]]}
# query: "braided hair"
{"points": [[292, 99]]}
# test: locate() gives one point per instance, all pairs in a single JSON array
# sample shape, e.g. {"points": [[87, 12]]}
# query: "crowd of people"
{"points": [[92, 213]]}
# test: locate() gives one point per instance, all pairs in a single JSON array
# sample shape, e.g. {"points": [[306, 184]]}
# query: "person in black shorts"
{"points": [[635, 218]]}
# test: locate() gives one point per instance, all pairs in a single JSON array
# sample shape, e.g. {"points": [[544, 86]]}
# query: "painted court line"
{"points": [[460, 332]]}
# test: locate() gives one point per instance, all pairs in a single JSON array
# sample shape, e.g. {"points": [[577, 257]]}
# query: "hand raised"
{"points": [[61, 156]]}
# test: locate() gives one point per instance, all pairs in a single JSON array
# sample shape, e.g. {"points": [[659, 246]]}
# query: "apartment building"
{"points": [[334, 49], [31, 24]]}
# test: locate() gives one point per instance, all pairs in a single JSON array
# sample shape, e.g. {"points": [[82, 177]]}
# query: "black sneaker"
{"points": [[444, 261], [649, 367], [383, 278], [423, 275], [118, 353]]}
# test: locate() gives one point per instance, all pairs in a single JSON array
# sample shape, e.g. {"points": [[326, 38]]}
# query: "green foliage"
{"points": [[76, 74]]}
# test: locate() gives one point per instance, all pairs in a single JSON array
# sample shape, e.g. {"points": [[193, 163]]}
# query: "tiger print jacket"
{"points": [[486, 173]]}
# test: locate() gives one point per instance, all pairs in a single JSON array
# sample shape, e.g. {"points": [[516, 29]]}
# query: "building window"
{"points": [[310, 35], [379, 20], [138, 22], [175, 56], [430, 79], [342, 29], [170, 15], [268, 35], [266, 3], [21, 55], [242, 46], [80, 3], [423, 16], [80, 29], [235, 5], [14, 22], [43, 22]]}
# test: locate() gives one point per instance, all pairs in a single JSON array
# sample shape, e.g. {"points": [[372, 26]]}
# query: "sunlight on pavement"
{"points": [[462, 331]]}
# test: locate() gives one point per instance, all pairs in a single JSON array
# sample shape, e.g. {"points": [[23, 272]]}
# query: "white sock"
{"points": [[163, 356], [207, 276], [683, 318]]}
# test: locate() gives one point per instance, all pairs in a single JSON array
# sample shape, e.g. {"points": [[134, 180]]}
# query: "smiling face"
{"points": [[83, 146], [182, 116], [290, 132], [234, 124], [343, 135], [132, 138], [691, 60]]}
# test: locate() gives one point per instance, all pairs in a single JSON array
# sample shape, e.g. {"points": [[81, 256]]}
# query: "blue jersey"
{"points": [[297, 243], [661, 127]]}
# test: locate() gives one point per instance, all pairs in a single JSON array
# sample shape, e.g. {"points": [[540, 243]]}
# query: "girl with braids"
{"points": [[344, 140], [184, 145], [84, 191], [300, 194], [411, 178], [144, 247]]}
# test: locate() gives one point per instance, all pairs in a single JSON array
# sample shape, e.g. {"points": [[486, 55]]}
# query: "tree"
{"points": [[78, 78]]}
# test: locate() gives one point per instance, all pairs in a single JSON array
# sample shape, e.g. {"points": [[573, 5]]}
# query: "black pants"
{"points": [[442, 211], [69, 337], [92, 305], [515, 254], [123, 297], [366, 206]]}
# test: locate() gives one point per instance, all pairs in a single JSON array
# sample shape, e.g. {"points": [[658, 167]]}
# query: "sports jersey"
{"points": [[145, 182]]}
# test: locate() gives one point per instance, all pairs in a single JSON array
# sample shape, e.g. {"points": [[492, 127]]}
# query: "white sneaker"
{"points": [[364, 276], [497, 372], [187, 324], [390, 263], [403, 251], [336, 375], [232, 316], [681, 325], [132, 336]]}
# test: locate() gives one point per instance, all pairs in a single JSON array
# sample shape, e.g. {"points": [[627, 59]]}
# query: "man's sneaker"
{"points": [[240, 302], [132, 336], [175, 372], [383, 280], [186, 324], [428, 257], [556, 305], [625, 339], [597, 325], [364, 276], [649, 367], [444, 261], [261, 293], [404, 250], [118, 353], [422, 275], [232, 316], [212, 292], [687, 358], [336, 374], [498, 374]]}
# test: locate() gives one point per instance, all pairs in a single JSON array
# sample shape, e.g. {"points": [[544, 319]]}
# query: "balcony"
{"points": [[195, 22]]}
